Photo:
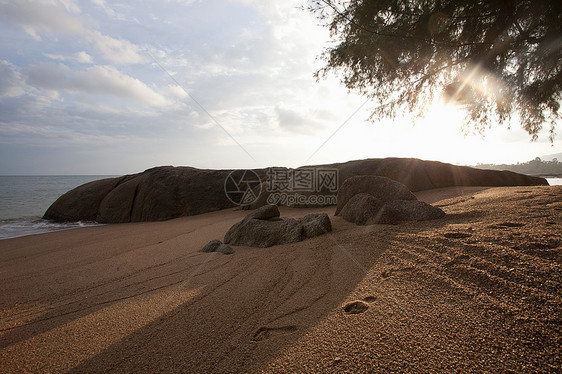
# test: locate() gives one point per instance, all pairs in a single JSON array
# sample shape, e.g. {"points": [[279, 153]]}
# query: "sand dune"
{"points": [[478, 290]]}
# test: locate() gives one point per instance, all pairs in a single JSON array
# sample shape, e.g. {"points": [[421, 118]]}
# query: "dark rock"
{"points": [[259, 233], [211, 246], [419, 175], [168, 192], [365, 209], [265, 212], [155, 195], [217, 246], [414, 210], [254, 231], [83, 202], [315, 224], [384, 189], [117, 205]]}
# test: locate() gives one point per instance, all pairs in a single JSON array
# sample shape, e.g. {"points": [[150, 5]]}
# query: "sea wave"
{"points": [[13, 228]]}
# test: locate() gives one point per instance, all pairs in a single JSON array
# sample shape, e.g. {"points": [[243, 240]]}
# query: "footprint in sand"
{"points": [[457, 235], [504, 225], [355, 307], [264, 333]]}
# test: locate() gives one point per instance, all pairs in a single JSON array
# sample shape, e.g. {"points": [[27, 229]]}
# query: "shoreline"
{"points": [[476, 290], [26, 226], [48, 226]]}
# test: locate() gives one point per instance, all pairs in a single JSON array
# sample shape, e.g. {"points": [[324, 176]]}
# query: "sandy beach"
{"points": [[476, 291]]}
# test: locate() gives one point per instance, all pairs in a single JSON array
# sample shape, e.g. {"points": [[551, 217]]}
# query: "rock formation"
{"points": [[157, 194], [365, 209], [264, 228], [370, 199], [315, 224], [382, 188], [167, 192]]}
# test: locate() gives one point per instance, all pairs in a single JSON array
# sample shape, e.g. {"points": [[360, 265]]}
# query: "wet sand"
{"points": [[478, 290]]}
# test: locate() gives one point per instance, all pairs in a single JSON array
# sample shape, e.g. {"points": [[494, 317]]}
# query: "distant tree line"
{"points": [[534, 167]]}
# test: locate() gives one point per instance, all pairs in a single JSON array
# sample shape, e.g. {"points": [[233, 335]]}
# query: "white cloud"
{"points": [[42, 16], [52, 17], [297, 121], [81, 57], [118, 51], [11, 83], [177, 91], [108, 10], [100, 80]]}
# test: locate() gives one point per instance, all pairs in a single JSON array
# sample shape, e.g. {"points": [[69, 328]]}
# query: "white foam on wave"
{"points": [[13, 228]]}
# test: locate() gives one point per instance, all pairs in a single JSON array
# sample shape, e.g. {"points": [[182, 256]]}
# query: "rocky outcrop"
{"points": [[370, 199], [365, 209], [155, 195], [168, 192], [415, 174], [266, 212], [259, 233], [83, 202], [414, 210], [315, 224], [382, 188], [419, 175], [264, 228]]}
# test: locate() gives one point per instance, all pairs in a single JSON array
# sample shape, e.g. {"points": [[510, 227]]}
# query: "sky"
{"points": [[109, 88]]}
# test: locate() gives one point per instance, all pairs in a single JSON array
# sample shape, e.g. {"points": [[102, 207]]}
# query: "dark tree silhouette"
{"points": [[498, 58]]}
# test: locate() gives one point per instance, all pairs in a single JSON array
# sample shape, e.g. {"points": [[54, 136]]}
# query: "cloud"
{"points": [[81, 57], [11, 84], [108, 10], [293, 121], [54, 17], [42, 16], [100, 80], [118, 51]]}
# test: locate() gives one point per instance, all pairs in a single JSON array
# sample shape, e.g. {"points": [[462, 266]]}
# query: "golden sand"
{"points": [[478, 290]]}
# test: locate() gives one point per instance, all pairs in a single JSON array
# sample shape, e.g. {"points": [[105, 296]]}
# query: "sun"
{"points": [[438, 135]]}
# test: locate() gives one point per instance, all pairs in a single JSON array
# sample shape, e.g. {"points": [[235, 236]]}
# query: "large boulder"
{"points": [[155, 195], [83, 202], [168, 192], [370, 199], [264, 233], [413, 210], [265, 212], [365, 209], [382, 188], [264, 228], [315, 224], [419, 175]]}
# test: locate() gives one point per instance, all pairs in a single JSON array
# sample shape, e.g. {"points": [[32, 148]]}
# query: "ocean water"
{"points": [[554, 181], [24, 200]]}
